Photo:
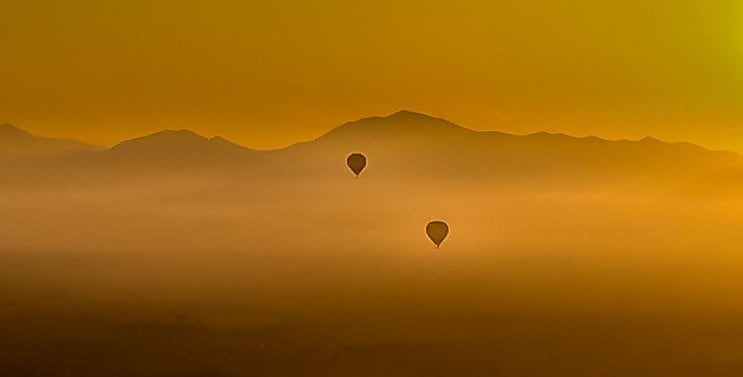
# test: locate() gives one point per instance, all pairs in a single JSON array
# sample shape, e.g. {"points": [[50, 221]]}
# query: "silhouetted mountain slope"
{"points": [[177, 144], [9, 131], [408, 144], [136, 161], [16, 143], [404, 126], [178, 149]]}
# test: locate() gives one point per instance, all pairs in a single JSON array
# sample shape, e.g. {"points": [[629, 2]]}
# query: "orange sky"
{"points": [[269, 73]]}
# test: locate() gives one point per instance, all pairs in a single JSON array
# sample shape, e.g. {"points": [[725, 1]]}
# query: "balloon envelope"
{"points": [[437, 232], [356, 162]]}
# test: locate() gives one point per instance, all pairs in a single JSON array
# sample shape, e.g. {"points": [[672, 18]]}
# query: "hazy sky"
{"points": [[268, 73]]}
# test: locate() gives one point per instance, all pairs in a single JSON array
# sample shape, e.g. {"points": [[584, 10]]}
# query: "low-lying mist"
{"points": [[189, 275]]}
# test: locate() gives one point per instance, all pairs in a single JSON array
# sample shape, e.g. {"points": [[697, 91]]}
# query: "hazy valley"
{"points": [[179, 255]]}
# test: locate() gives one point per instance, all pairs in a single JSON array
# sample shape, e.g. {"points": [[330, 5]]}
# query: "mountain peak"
{"points": [[649, 139], [163, 139], [406, 112], [17, 143], [404, 126], [410, 115], [181, 135], [8, 130], [177, 144], [406, 120]]}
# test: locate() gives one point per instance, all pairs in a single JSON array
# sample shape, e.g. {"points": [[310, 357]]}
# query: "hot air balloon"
{"points": [[437, 231], [356, 162]]}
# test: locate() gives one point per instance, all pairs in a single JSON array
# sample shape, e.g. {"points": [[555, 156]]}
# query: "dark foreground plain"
{"points": [[527, 286]]}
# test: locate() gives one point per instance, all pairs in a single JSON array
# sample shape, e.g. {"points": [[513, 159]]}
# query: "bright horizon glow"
{"points": [[267, 75]]}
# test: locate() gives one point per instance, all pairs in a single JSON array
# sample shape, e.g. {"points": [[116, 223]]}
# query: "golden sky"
{"points": [[269, 73]]}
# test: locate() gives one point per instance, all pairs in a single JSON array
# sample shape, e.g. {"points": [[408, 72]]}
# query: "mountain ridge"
{"points": [[175, 138], [403, 147], [403, 135], [8, 130], [400, 122], [178, 147], [16, 143]]}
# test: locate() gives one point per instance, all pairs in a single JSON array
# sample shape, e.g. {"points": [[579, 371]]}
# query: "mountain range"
{"points": [[402, 145]]}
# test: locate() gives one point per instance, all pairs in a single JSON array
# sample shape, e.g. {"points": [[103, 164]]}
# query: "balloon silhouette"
{"points": [[356, 162], [437, 232]]}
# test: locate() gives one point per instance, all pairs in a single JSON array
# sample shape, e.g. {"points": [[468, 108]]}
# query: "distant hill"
{"points": [[178, 146], [16, 143]]}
